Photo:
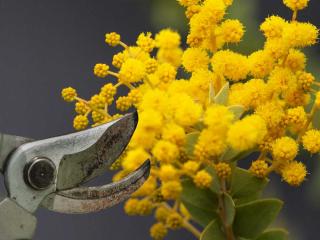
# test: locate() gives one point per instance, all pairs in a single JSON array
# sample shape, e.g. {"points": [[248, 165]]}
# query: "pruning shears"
{"points": [[49, 173]]}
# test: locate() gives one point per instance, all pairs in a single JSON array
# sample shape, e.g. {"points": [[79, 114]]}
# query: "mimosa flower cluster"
{"points": [[223, 105]]}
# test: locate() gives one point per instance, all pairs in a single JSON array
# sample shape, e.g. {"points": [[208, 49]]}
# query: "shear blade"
{"points": [[93, 199], [85, 165]]}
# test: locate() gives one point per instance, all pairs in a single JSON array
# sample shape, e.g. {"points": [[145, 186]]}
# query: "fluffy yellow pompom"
{"points": [[295, 5], [168, 172], [81, 108], [305, 80], [130, 207], [218, 117], [232, 30], [161, 214], [223, 170], [202, 179], [174, 221], [174, 133], [165, 151], [113, 39], [296, 60], [132, 71], [261, 64], [294, 173], [272, 112], [171, 190], [144, 207], [194, 59], [233, 66], [272, 27], [186, 111], [296, 117], [191, 167], [311, 141], [146, 42], [158, 231], [300, 34], [210, 143], [259, 168], [284, 149], [69, 94], [134, 158], [166, 73], [247, 133], [167, 38], [80, 122]]}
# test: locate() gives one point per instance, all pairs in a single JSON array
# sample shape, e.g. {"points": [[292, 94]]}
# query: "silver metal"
{"points": [[8, 144], [40, 173], [15, 222], [49, 172], [92, 199], [78, 157], [82, 166]]}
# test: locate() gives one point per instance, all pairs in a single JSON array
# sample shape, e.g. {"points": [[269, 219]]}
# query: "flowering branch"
{"points": [[195, 130]]}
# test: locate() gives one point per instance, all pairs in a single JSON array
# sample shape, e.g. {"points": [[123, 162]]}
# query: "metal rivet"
{"points": [[40, 173]]}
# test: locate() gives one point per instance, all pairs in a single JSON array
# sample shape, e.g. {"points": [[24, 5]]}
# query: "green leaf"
{"points": [[201, 203], [223, 95], [254, 217], [191, 140], [274, 234], [232, 155], [237, 110], [229, 155], [215, 185], [212, 231], [229, 208], [250, 198], [244, 184], [199, 126]]}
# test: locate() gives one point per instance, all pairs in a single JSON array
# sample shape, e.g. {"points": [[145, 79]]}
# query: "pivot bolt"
{"points": [[40, 173]]}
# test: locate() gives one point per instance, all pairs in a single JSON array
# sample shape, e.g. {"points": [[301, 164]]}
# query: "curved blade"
{"points": [[93, 199], [8, 144], [82, 166], [15, 222]]}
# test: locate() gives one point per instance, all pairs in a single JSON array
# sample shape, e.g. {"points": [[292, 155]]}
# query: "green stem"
{"points": [[222, 212], [294, 15], [187, 225]]}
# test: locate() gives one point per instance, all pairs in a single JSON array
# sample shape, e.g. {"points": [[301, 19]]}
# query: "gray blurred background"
{"points": [[47, 45]]}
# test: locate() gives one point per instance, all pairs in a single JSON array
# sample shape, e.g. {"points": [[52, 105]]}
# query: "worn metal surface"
{"points": [[8, 144], [90, 193], [86, 200], [83, 166], [78, 157], [49, 172], [15, 222]]}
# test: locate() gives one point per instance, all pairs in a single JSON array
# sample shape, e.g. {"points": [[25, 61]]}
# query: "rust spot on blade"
{"points": [[111, 200], [130, 182], [110, 146]]}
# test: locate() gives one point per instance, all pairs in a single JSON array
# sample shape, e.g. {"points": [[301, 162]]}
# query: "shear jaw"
{"points": [[43, 171], [92, 199]]}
